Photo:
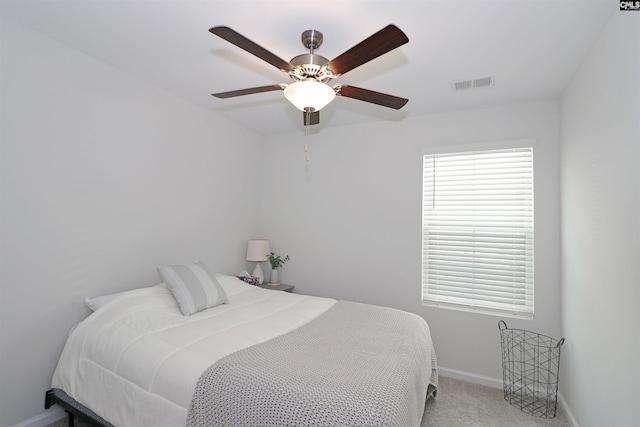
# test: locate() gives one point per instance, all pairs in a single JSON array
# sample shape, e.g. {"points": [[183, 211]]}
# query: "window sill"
{"points": [[478, 310]]}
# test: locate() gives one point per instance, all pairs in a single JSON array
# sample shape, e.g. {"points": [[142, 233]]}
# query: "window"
{"points": [[477, 238]]}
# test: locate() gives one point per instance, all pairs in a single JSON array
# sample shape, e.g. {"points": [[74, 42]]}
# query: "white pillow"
{"points": [[193, 287], [97, 302]]}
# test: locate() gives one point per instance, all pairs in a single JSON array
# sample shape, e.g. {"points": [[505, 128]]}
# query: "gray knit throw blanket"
{"points": [[354, 365]]}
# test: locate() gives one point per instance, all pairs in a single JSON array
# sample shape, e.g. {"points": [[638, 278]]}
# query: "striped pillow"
{"points": [[193, 287]]}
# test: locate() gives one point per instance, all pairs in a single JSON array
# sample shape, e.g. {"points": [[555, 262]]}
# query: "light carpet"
{"points": [[460, 403]]}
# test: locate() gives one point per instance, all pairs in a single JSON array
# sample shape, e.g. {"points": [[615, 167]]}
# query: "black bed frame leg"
{"points": [[72, 407]]}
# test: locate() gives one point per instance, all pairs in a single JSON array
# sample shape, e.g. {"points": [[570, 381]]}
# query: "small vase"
{"points": [[274, 277]]}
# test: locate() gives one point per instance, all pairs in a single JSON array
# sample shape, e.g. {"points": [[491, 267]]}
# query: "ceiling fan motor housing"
{"points": [[309, 66]]}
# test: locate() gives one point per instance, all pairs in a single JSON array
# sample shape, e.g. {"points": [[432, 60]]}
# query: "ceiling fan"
{"points": [[310, 72]]}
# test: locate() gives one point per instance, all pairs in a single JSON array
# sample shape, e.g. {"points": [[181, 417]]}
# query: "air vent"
{"points": [[477, 83]]}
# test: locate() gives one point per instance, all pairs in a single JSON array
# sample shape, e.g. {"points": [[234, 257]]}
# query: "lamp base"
{"points": [[257, 272]]}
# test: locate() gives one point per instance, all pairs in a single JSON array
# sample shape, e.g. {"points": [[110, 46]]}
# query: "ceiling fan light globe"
{"points": [[309, 95]]}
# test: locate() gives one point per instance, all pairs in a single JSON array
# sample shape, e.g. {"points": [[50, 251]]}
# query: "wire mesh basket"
{"points": [[530, 369]]}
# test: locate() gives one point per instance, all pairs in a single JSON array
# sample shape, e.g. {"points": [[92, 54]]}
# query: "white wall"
{"points": [[351, 218], [103, 178], [600, 154]]}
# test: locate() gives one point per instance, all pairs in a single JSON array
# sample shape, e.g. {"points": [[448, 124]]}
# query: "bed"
{"points": [[261, 356]]}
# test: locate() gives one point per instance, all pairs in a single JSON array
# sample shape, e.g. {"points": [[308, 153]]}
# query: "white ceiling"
{"points": [[532, 47]]}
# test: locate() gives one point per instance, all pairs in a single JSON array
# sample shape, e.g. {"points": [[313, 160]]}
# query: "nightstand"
{"points": [[280, 287]]}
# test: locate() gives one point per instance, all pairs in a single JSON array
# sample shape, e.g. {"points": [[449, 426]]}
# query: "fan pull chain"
{"points": [[307, 133]]}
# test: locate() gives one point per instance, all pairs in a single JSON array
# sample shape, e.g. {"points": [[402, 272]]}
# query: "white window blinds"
{"points": [[478, 231]]}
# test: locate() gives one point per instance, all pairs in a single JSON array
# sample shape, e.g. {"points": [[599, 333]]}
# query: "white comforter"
{"points": [[136, 360]]}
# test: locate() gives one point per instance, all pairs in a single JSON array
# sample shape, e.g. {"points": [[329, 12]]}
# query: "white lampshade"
{"points": [[309, 94], [258, 249]]}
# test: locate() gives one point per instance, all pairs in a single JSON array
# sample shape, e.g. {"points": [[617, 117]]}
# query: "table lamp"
{"points": [[258, 251]]}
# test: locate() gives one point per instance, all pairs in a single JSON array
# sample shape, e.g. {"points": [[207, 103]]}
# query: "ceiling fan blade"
{"points": [[385, 40], [366, 95], [244, 43], [249, 91], [311, 118]]}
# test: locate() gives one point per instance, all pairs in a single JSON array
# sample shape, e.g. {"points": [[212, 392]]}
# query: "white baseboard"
{"points": [[567, 411], [51, 415], [472, 378]]}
